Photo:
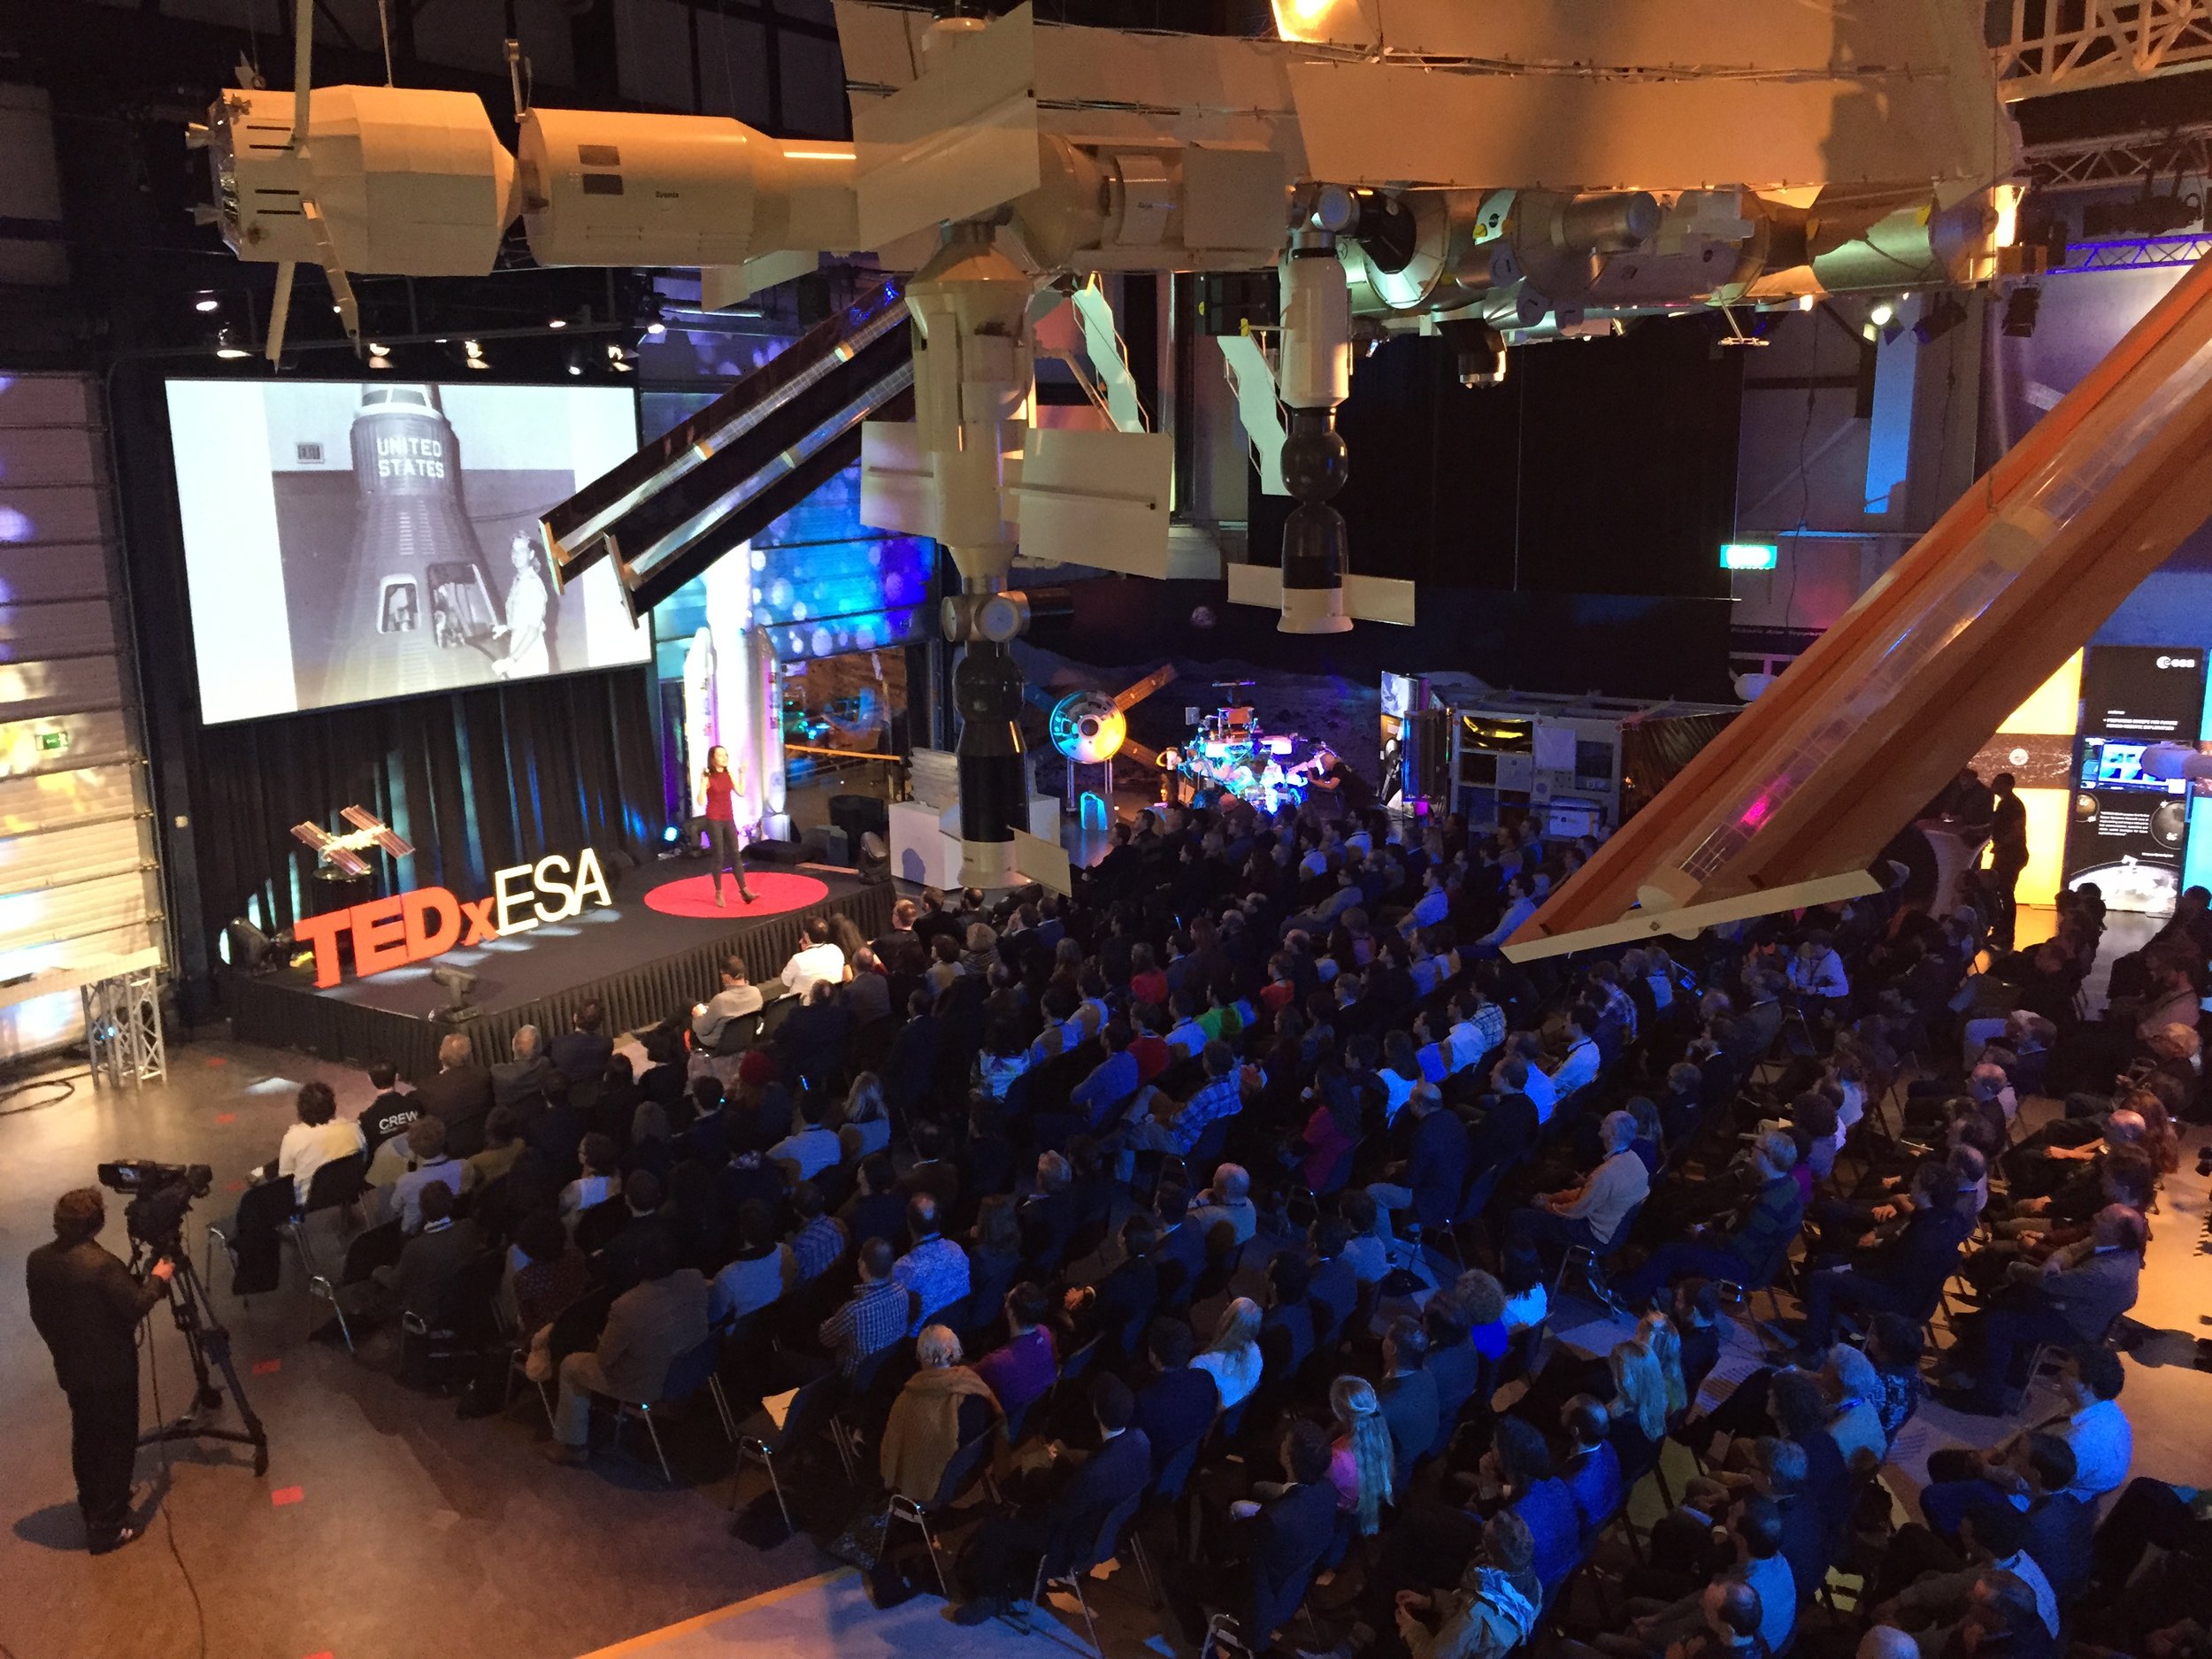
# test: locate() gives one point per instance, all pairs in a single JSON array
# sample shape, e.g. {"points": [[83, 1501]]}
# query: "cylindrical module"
{"points": [[987, 689]]}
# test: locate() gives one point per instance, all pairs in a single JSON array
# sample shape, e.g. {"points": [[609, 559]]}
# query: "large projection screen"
{"points": [[351, 542]]}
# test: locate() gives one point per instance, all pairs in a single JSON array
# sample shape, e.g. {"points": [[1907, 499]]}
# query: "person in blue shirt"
{"points": [[1592, 1469], [1521, 1464]]}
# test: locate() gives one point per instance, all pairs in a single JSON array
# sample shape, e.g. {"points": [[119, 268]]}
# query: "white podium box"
{"points": [[926, 844]]}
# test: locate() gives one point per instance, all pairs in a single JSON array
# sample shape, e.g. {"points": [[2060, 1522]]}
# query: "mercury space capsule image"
{"points": [[419, 610]]}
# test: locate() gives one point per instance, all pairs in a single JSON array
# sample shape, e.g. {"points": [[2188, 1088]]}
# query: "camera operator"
{"points": [[87, 1306]]}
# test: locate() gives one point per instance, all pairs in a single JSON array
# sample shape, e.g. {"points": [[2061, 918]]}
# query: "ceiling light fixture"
{"points": [[206, 301], [226, 347]]}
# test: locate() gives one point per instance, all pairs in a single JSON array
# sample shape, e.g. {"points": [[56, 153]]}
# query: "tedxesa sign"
{"points": [[427, 922]]}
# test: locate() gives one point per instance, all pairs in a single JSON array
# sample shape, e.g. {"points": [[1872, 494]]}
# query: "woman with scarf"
{"points": [[943, 1407], [1492, 1612]]}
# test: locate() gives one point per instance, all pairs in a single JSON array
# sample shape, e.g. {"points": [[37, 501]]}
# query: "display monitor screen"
{"points": [[348, 541]]}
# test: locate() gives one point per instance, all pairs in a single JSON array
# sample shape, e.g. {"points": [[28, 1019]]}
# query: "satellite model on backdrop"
{"points": [[342, 853]]}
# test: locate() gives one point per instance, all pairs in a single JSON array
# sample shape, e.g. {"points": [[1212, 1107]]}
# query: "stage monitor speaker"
{"points": [[768, 850], [827, 844]]}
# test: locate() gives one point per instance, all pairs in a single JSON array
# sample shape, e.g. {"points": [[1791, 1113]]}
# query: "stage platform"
{"points": [[656, 951]]}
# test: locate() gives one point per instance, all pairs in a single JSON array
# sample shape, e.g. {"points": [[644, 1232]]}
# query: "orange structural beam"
{"points": [[1812, 780]]}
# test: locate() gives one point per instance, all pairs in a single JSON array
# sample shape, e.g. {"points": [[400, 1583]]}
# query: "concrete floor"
{"points": [[412, 1529]]}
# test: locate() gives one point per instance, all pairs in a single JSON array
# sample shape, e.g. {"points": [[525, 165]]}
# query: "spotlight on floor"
{"points": [[456, 983]]}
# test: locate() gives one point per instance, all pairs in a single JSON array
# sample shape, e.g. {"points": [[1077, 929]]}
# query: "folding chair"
{"points": [[962, 1467], [688, 1373], [1070, 1576], [806, 1415]]}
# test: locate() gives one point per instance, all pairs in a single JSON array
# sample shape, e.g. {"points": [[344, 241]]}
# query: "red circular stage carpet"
{"points": [[773, 892]]}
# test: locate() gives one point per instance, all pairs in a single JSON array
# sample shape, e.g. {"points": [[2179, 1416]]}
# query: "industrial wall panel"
{"points": [[71, 684], [43, 400], [45, 801], [95, 736], [70, 628], [78, 876], [44, 573], [30, 863], [82, 911], [49, 455], [41, 517]]}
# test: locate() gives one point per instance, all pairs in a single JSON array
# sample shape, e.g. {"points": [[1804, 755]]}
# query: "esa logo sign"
{"points": [[427, 922], [2177, 662]]}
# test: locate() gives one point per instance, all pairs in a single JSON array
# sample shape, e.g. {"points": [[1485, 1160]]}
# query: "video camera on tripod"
{"points": [[160, 1195]]}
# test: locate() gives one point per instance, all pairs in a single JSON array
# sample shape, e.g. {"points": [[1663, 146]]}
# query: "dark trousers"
{"points": [[1846, 1288], [1551, 1235], [723, 848], [2006, 1333], [1680, 1260], [103, 1449], [2149, 1512]]}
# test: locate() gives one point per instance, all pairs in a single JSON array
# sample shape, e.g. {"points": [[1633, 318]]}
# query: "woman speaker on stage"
{"points": [[722, 788]]}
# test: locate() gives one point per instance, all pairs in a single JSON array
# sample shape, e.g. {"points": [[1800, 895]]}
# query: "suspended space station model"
{"points": [[1490, 175]]}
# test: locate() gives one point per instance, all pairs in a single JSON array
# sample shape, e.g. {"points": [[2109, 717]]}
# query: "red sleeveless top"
{"points": [[721, 797]]}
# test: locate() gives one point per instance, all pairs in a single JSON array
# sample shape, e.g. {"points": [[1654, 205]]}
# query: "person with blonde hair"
{"points": [[1233, 1358], [1639, 1421], [1658, 1334], [1360, 1459], [864, 1122], [943, 1406]]}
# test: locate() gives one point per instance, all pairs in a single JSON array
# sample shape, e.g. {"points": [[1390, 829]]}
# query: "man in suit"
{"points": [[657, 1320], [459, 1095], [1176, 1409], [1433, 1176], [2074, 1297], [580, 1053], [1265, 1556], [87, 1308], [1902, 1273], [518, 1080], [1409, 1397], [1065, 1506], [1509, 1124]]}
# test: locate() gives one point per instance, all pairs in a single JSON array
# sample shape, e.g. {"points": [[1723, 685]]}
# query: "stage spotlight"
{"points": [[575, 360], [619, 357], [456, 983], [227, 346], [252, 951], [379, 356], [1938, 320], [206, 301], [873, 860], [557, 322], [2020, 310], [672, 836], [1881, 314], [474, 352]]}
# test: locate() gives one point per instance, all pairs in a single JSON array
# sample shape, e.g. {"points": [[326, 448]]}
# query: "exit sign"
{"points": [[52, 742], [1749, 556]]}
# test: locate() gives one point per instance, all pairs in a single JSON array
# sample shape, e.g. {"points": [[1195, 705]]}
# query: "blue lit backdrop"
{"points": [[822, 582]]}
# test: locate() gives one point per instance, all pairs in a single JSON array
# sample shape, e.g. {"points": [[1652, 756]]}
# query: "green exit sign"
{"points": [[53, 742], [1749, 556]]}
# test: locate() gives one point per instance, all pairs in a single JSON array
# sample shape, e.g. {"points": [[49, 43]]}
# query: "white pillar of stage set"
{"points": [[748, 711]]}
